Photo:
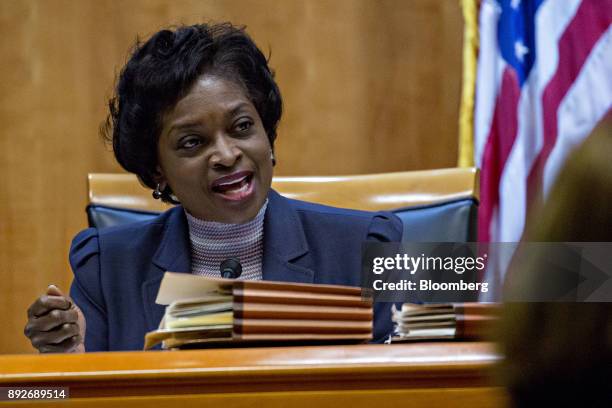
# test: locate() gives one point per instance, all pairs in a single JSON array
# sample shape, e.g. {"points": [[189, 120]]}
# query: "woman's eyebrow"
{"points": [[193, 123], [183, 125], [241, 106]]}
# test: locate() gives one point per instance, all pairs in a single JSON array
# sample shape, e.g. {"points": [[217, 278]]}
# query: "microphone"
{"points": [[231, 268]]}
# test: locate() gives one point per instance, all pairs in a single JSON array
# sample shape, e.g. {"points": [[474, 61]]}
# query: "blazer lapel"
{"points": [[173, 254], [285, 246]]}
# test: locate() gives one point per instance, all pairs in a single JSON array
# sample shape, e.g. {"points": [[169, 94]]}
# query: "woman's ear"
{"points": [[161, 184], [162, 189], [160, 178], [272, 157]]}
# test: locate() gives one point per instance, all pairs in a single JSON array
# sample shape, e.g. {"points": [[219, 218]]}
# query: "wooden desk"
{"points": [[372, 376]]}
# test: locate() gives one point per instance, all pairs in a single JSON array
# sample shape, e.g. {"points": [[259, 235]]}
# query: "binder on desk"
{"points": [[210, 311]]}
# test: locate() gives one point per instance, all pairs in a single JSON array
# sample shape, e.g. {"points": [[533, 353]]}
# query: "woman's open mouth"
{"points": [[234, 187]]}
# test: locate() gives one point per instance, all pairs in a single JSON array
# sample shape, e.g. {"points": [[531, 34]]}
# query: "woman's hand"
{"points": [[55, 324]]}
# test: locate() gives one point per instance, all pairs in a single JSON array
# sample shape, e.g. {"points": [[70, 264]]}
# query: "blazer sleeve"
{"points": [[86, 289], [385, 227]]}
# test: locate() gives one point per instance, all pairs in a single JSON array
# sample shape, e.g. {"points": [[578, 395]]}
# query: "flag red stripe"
{"points": [[591, 20], [501, 137]]}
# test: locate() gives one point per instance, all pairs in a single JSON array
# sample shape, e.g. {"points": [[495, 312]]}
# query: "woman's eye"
{"points": [[244, 125], [189, 143]]}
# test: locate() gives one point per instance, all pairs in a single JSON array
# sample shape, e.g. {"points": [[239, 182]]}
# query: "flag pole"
{"points": [[470, 57]]}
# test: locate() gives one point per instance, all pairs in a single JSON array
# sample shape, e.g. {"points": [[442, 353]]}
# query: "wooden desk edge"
{"points": [[440, 364]]}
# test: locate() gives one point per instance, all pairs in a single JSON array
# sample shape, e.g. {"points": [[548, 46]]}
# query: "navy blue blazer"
{"points": [[118, 270]]}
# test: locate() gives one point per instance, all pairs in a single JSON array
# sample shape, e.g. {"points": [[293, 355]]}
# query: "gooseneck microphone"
{"points": [[231, 268]]}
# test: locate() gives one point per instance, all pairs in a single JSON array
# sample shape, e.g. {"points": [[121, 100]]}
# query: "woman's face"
{"points": [[214, 152]]}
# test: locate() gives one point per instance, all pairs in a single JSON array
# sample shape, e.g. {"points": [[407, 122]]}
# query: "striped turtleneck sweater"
{"points": [[214, 242]]}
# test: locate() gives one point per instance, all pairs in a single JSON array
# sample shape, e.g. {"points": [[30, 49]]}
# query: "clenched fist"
{"points": [[55, 324]]}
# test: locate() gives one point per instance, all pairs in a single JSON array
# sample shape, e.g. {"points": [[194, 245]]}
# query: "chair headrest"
{"points": [[373, 192]]}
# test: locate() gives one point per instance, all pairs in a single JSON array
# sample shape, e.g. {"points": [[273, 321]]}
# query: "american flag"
{"points": [[544, 80]]}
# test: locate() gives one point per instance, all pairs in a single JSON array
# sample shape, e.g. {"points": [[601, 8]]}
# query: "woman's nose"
{"points": [[225, 153]]}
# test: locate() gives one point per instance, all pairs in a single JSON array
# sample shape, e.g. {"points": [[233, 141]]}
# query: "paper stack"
{"points": [[203, 311], [468, 321]]}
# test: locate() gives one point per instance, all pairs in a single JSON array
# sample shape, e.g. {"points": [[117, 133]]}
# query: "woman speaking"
{"points": [[194, 116]]}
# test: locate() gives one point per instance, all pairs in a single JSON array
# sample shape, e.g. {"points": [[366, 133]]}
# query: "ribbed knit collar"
{"points": [[213, 242]]}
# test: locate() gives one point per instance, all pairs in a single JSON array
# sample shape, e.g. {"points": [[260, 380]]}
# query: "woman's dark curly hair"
{"points": [[162, 70]]}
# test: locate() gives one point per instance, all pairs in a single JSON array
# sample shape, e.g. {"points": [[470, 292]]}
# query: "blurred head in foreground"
{"points": [[579, 208], [561, 353]]}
